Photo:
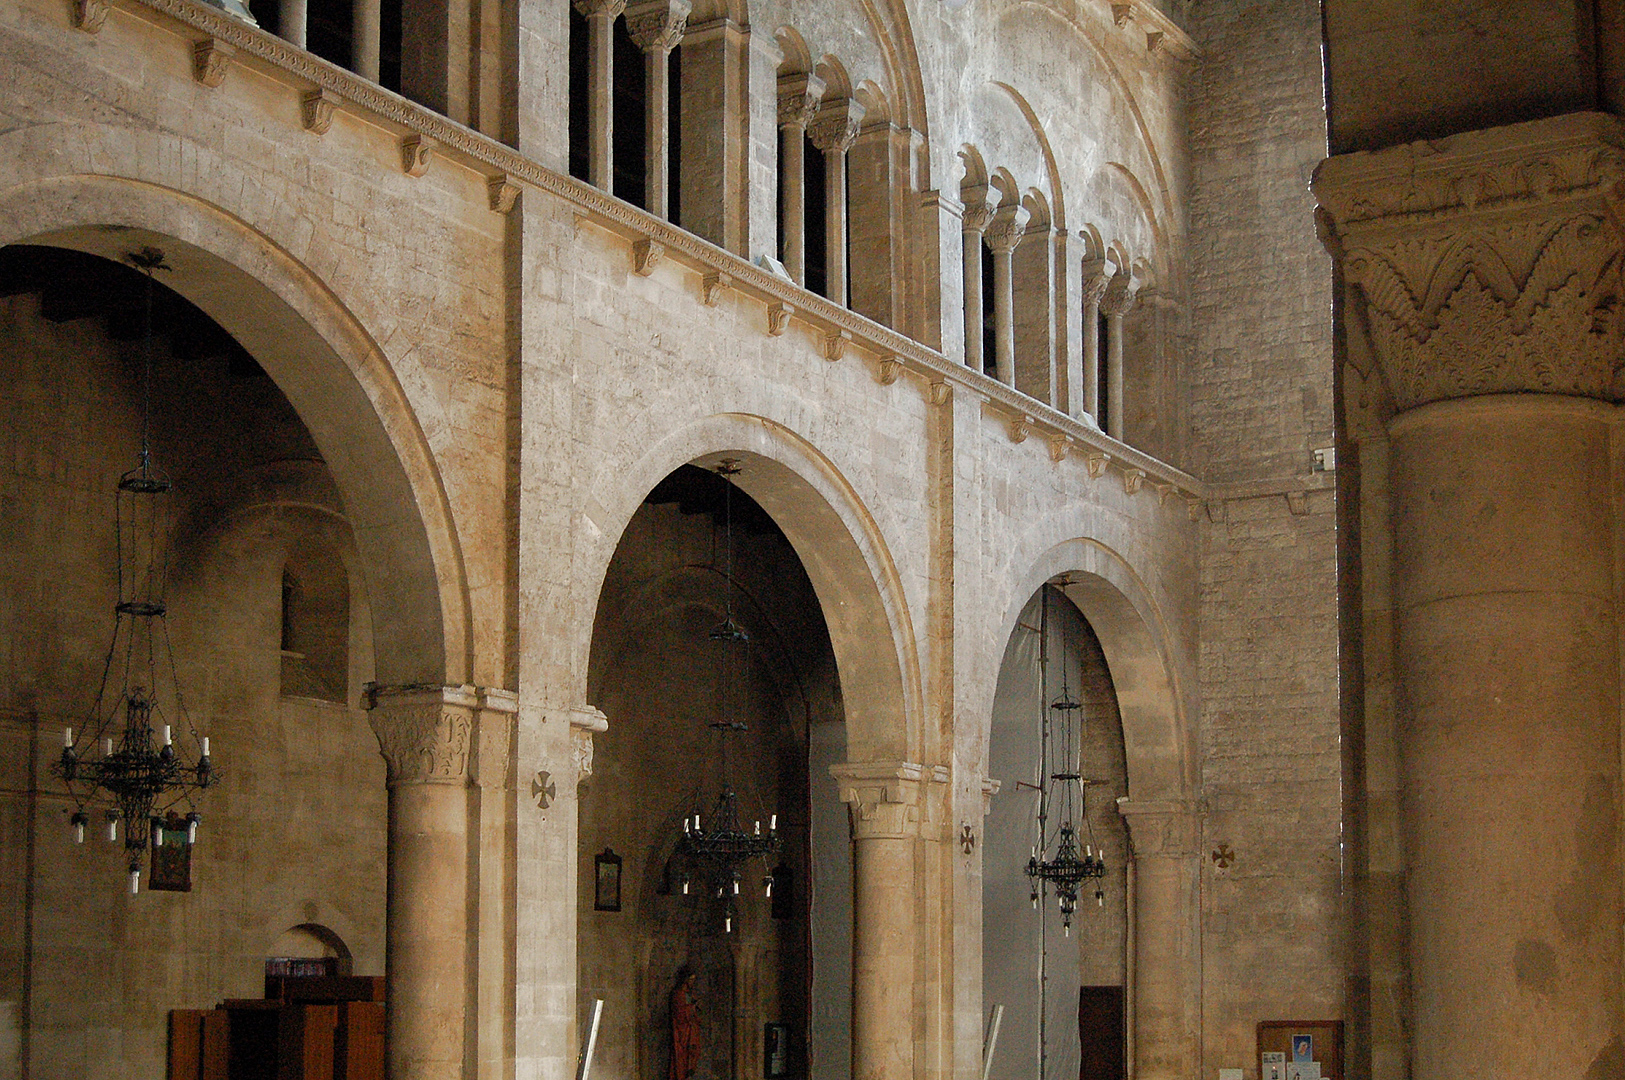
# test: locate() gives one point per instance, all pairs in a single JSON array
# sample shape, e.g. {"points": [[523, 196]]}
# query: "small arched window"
{"points": [[315, 631]]}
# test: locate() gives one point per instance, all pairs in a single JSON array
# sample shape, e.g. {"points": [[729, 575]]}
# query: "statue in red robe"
{"points": [[685, 1028]]}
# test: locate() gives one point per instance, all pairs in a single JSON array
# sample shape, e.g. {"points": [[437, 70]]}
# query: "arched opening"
{"points": [[1033, 286], [1029, 955], [739, 978], [306, 950], [251, 486]]}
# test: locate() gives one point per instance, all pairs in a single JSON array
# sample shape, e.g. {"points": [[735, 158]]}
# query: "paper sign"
{"points": [[1274, 1062]]}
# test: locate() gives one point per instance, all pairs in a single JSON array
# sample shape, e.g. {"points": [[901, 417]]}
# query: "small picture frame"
{"points": [[171, 856], [606, 881], [1300, 1050], [775, 1051]]}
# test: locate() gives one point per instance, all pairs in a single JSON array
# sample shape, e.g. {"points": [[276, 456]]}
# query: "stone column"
{"points": [[601, 16], [833, 130], [435, 62], [426, 735], [292, 17], [366, 37], [1484, 273], [1115, 302], [884, 804], [1009, 225], [1165, 1003], [1094, 288], [978, 215], [657, 27], [798, 100]]}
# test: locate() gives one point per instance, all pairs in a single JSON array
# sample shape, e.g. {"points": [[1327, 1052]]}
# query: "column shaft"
{"points": [[798, 98], [1094, 285], [1004, 316], [292, 19], [835, 256], [366, 35], [657, 27], [882, 949], [601, 16], [1114, 374], [975, 222]]}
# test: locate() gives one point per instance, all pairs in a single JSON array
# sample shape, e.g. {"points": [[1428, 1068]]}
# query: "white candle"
{"points": [[728, 924], [205, 746], [78, 832], [135, 881], [167, 740], [107, 747], [769, 888], [758, 828], [67, 738], [112, 830], [191, 831], [773, 823]]}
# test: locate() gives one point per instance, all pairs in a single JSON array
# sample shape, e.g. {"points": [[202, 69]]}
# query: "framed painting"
{"points": [[171, 856], [606, 881]]}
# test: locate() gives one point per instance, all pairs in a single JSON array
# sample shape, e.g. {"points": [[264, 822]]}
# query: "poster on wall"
{"points": [[607, 881]]}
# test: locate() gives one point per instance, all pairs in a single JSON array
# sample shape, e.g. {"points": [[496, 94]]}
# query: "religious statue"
{"points": [[685, 1028]]}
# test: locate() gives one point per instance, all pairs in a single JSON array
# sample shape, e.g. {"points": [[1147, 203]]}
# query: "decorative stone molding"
{"points": [[657, 24], [799, 94], [316, 110], [211, 59], [1487, 262], [1060, 446], [1166, 829], [90, 15], [1132, 480], [501, 193], [1009, 225], [835, 126], [416, 150], [835, 342], [778, 319], [888, 370], [883, 798], [425, 732], [585, 722], [712, 286], [976, 217], [942, 392], [1020, 428], [1096, 464], [497, 715], [989, 787], [1121, 13], [646, 255]]}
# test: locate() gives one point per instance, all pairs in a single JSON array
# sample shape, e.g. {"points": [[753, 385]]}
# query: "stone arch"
{"points": [[1134, 635], [839, 544], [334, 375]]}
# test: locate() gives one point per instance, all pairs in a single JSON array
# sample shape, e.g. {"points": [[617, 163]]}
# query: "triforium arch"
{"points": [[839, 543], [335, 377], [1152, 688], [342, 388]]}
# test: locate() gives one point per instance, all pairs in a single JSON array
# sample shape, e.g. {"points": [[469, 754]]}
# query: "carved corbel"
{"points": [[657, 24], [316, 110], [1059, 447], [1133, 479], [501, 193], [711, 287], [1096, 464], [1020, 427], [835, 342], [1122, 13], [942, 392], [778, 318], [1153, 41], [90, 15], [416, 150], [211, 59], [1193, 508], [1297, 503], [646, 255], [584, 723], [890, 367]]}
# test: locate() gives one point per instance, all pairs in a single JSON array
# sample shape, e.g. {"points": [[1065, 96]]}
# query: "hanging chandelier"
{"points": [[712, 854], [141, 774], [1062, 866]]}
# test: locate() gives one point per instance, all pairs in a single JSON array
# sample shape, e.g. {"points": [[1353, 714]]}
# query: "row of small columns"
{"points": [[832, 126], [366, 29], [656, 27], [1003, 228]]}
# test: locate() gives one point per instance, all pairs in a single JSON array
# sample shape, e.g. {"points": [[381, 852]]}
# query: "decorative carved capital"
{"points": [[416, 150], [584, 723], [1095, 279], [657, 24], [977, 217], [1162, 829], [1487, 262], [211, 59], [798, 99], [1008, 227], [425, 733], [835, 128], [883, 797], [609, 9], [1118, 298], [90, 15], [316, 110]]}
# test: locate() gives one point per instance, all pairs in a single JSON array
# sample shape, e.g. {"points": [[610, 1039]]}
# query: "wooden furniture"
{"points": [[307, 1027]]}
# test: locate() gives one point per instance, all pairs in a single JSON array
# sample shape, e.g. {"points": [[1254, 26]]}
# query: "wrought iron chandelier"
{"points": [[1060, 748], [714, 850], [141, 773]]}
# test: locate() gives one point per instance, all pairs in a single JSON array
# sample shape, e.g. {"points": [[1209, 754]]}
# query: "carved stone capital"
{"points": [[1118, 297], [1007, 228], [211, 59], [1486, 262], [584, 723], [1165, 829], [657, 24], [90, 15], [835, 127], [425, 733], [501, 192], [1095, 279], [609, 9], [646, 255], [316, 110], [798, 99], [977, 217], [416, 152], [883, 797]]}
